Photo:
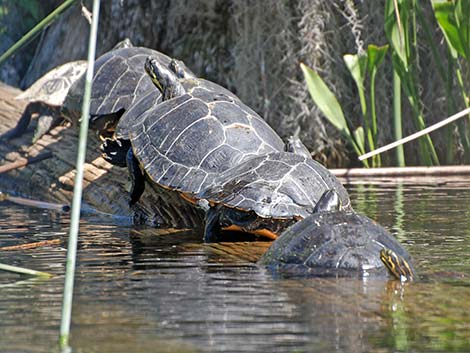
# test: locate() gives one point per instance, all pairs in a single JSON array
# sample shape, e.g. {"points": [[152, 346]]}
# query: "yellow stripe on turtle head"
{"points": [[396, 265]]}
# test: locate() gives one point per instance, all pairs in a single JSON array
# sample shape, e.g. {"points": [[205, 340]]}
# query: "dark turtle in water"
{"points": [[45, 98], [198, 132], [268, 193], [119, 80], [338, 243]]}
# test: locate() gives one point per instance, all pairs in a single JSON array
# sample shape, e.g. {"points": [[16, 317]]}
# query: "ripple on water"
{"points": [[137, 291]]}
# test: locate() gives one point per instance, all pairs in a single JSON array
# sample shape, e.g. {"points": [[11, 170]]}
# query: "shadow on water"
{"points": [[138, 290]]}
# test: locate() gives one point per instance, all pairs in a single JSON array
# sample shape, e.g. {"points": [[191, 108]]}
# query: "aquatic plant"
{"points": [[360, 66]]}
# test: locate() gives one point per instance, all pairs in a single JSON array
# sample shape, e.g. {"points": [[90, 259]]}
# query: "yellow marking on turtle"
{"points": [[396, 265]]}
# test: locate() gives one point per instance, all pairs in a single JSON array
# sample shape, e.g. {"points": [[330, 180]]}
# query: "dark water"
{"points": [[169, 293]]}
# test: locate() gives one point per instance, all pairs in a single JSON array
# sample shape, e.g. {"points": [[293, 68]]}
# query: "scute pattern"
{"points": [[52, 88], [333, 241], [185, 142], [119, 80], [275, 185]]}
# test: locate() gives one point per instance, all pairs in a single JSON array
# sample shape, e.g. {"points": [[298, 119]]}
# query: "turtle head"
{"points": [[329, 202], [177, 67], [164, 79], [397, 265]]}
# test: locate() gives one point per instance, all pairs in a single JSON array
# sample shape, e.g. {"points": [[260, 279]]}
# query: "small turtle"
{"points": [[338, 244], [45, 98], [198, 132], [118, 81], [268, 193]]}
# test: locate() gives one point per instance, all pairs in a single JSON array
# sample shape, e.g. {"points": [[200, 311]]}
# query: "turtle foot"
{"points": [[115, 151]]}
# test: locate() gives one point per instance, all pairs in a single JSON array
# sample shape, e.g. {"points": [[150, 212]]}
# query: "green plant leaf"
{"points": [[375, 56], [453, 23], [357, 65], [325, 99], [360, 139], [397, 36]]}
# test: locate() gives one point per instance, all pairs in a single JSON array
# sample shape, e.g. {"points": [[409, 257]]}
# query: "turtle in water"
{"points": [[268, 193], [338, 243], [197, 132], [45, 98], [118, 82]]}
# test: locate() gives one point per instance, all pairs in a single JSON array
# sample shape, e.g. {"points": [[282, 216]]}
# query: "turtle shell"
{"points": [[196, 87], [185, 142], [275, 185], [333, 243], [119, 80], [53, 87]]}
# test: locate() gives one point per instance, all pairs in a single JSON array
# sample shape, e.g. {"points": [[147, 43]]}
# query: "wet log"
{"points": [[52, 179]]}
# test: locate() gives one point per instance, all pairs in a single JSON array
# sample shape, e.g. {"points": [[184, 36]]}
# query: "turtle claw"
{"points": [[115, 151]]}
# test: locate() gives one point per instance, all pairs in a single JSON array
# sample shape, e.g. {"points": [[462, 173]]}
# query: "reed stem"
{"points": [[77, 194], [24, 271], [36, 29], [397, 127]]}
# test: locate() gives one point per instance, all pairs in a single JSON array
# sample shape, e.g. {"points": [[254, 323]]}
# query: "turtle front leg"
{"points": [[51, 116], [328, 202], [212, 229], [115, 151], [137, 178]]}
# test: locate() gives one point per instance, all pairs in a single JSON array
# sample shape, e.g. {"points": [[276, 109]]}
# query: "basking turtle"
{"points": [[45, 98], [198, 132], [115, 148], [338, 244], [118, 81], [268, 193], [51, 93]]}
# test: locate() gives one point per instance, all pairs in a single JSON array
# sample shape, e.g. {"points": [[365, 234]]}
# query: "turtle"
{"points": [[118, 81], [114, 149], [268, 193], [51, 93], [45, 98], [338, 243], [197, 132]]}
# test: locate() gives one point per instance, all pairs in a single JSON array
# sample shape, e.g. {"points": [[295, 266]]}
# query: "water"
{"points": [[138, 292]]}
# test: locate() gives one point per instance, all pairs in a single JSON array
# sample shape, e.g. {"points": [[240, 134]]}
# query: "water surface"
{"points": [[140, 292]]}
